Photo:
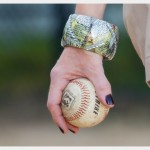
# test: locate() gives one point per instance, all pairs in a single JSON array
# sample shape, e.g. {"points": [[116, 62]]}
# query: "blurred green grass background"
{"points": [[26, 61]]}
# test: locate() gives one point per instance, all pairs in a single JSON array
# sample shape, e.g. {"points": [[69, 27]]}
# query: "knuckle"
{"points": [[54, 72], [50, 105], [104, 87]]}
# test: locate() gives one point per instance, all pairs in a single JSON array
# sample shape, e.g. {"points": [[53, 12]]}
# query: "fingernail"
{"points": [[109, 100], [61, 130], [72, 131]]}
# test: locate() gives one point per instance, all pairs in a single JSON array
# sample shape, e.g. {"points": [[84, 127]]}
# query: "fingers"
{"points": [[103, 88], [53, 104], [72, 128]]}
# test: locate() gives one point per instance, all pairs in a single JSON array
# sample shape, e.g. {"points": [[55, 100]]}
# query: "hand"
{"points": [[76, 63]]}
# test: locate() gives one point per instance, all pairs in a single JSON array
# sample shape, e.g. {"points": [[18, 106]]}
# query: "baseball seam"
{"points": [[85, 96]]}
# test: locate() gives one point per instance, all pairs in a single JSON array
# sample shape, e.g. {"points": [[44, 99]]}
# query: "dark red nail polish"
{"points": [[109, 100], [72, 131], [61, 130]]}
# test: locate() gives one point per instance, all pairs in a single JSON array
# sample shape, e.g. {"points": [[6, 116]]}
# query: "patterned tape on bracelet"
{"points": [[91, 34]]}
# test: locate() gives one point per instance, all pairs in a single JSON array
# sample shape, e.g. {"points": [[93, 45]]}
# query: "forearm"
{"points": [[93, 10]]}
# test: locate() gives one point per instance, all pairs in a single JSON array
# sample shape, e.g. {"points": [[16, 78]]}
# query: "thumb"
{"points": [[103, 89]]}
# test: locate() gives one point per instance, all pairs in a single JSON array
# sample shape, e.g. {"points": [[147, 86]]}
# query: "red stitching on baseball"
{"points": [[85, 104], [84, 101]]}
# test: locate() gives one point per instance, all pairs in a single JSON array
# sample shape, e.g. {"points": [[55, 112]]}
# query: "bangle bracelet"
{"points": [[91, 34]]}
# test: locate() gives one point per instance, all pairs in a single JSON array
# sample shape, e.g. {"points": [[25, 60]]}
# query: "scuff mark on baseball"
{"points": [[80, 105]]}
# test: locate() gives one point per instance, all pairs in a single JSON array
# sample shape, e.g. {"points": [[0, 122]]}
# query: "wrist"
{"points": [[81, 52]]}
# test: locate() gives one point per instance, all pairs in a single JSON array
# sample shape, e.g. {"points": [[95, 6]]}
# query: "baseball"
{"points": [[80, 105]]}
